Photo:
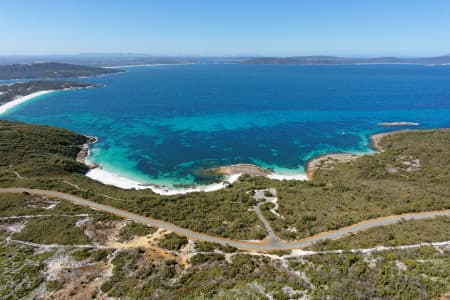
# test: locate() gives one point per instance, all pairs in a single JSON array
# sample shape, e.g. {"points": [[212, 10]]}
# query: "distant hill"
{"points": [[50, 70], [335, 60]]}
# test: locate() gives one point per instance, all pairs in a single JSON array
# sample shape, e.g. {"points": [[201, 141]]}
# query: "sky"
{"points": [[226, 28]]}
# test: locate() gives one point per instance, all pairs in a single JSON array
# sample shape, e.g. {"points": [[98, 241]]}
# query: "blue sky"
{"points": [[209, 27]]}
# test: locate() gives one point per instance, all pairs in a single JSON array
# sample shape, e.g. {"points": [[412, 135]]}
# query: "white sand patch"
{"points": [[291, 229], [13, 228], [278, 176], [21, 100], [114, 179]]}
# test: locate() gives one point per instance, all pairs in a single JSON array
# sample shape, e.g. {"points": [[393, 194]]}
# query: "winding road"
{"points": [[266, 245]]}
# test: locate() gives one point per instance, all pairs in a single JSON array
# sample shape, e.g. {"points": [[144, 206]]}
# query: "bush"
{"points": [[172, 241], [129, 231], [52, 230], [201, 258]]}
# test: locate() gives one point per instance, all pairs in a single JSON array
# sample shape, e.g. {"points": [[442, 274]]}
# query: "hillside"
{"points": [[50, 70]]}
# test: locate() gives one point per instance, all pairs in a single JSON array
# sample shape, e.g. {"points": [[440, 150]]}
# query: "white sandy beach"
{"points": [[116, 180], [279, 176], [109, 178], [21, 100]]}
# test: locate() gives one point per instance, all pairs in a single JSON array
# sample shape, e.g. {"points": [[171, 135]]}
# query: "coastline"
{"points": [[8, 105], [232, 172]]}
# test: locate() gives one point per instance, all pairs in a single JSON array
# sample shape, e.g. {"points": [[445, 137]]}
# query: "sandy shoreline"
{"points": [[108, 178], [8, 105]]}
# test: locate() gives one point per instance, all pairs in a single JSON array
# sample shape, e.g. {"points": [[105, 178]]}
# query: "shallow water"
{"points": [[166, 124]]}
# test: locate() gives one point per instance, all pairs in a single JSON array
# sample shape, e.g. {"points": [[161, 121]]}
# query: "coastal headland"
{"points": [[327, 161]]}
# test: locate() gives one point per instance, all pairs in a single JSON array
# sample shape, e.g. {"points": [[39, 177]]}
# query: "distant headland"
{"points": [[335, 60], [51, 70]]}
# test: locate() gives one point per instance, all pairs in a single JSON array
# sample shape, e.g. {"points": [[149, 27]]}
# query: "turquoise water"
{"points": [[166, 124]]}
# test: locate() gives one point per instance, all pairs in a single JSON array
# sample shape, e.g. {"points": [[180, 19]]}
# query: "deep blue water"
{"points": [[166, 124]]}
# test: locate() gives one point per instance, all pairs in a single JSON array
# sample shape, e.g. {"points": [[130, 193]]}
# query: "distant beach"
{"points": [[7, 106], [116, 180]]}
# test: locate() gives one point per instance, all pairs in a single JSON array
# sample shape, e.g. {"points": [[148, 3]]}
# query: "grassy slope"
{"points": [[350, 193], [422, 273]]}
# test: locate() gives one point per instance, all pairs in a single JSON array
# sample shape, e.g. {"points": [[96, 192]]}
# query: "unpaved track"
{"points": [[266, 246]]}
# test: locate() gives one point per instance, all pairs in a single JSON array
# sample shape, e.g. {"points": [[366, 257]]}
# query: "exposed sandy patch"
{"points": [[12, 225], [101, 233], [137, 242], [82, 282]]}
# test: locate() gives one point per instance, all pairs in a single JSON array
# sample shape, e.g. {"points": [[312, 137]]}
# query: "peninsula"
{"points": [[51, 70]]}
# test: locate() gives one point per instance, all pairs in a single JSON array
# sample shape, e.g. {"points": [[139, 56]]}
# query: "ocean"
{"points": [[166, 125]]}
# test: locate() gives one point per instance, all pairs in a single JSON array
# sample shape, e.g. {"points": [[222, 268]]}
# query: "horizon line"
{"points": [[87, 54]]}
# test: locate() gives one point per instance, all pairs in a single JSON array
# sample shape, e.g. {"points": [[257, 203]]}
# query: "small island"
{"points": [[398, 124]]}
